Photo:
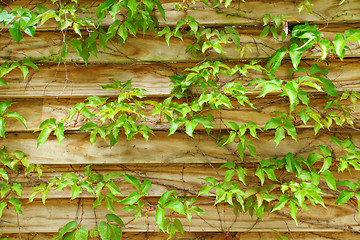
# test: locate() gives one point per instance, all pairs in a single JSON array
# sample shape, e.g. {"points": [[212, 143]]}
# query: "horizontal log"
{"points": [[238, 13], [177, 148], [45, 46], [38, 110], [209, 236], [77, 81], [48, 218], [185, 178]]}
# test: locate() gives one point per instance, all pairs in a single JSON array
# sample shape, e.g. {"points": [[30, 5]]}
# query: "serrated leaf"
{"points": [[18, 117], [17, 204], [131, 199], [177, 206], [132, 180], [76, 190], [113, 188], [43, 136], [178, 225], [282, 201], [330, 179], [15, 31], [67, 228], [159, 217], [114, 218], [2, 206], [344, 197], [293, 211], [279, 135]]}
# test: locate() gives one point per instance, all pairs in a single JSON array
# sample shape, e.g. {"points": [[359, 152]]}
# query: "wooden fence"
{"points": [[169, 162]]}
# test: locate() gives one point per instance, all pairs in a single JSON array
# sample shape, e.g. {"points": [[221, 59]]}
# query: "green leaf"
{"points": [[4, 105], [330, 179], [178, 225], [324, 46], [229, 165], [339, 45], [104, 231], [2, 127], [344, 197], [4, 174], [76, 190], [59, 132], [67, 228], [15, 31], [264, 32], [279, 135], [346, 183], [88, 126], [290, 128], [273, 123], [51, 122], [17, 204], [17, 188], [43, 136], [260, 174], [205, 190], [329, 87], [2, 206], [275, 59], [177, 206], [3, 83], [81, 234], [28, 62], [113, 188], [241, 172], [295, 55], [17, 116], [133, 180], [114, 218], [293, 211], [159, 217], [282, 201], [109, 176], [131, 199]]}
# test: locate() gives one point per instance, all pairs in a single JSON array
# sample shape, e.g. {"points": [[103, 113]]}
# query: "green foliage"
{"points": [[198, 94]]}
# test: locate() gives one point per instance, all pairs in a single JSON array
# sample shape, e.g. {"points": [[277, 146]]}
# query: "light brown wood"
{"points": [[185, 178], [48, 218], [211, 236], [44, 47], [76, 81], [160, 149], [238, 13], [35, 111]]}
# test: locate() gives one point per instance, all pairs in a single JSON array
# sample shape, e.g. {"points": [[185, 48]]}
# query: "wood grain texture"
{"points": [[44, 47], [35, 111], [48, 218], [185, 178], [160, 149], [78, 81], [211, 236], [238, 13]]}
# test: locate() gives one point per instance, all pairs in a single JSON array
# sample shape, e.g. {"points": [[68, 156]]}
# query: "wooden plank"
{"points": [[182, 177], [48, 218], [38, 110], [78, 81], [238, 13], [44, 47], [209, 236], [177, 148]]}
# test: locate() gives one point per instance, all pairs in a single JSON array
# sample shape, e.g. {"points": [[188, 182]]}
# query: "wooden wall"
{"points": [[177, 161]]}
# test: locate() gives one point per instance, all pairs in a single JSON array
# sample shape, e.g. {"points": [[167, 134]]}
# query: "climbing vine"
{"points": [[212, 85]]}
